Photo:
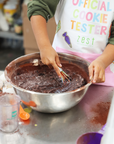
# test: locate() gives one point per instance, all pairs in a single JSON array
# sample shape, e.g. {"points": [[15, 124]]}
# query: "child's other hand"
{"points": [[50, 57], [97, 71]]}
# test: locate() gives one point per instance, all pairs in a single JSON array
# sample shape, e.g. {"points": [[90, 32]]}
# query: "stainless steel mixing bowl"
{"points": [[49, 102]]}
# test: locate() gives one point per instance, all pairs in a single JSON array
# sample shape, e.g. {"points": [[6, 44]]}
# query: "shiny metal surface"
{"points": [[60, 128], [49, 102]]}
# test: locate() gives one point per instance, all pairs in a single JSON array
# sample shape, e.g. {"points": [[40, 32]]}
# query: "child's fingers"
{"points": [[96, 74], [56, 69], [91, 71], [58, 61], [101, 76]]}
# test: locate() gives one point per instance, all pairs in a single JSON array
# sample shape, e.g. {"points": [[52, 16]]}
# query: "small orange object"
{"points": [[23, 115], [30, 103]]}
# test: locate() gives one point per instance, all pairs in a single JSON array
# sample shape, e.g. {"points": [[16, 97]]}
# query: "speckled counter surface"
{"points": [[61, 128]]}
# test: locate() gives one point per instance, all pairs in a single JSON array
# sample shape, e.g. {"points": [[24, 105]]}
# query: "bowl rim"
{"points": [[33, 92]]}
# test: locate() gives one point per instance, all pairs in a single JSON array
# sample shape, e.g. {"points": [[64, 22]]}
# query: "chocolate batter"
{"points": [[44, 80]]}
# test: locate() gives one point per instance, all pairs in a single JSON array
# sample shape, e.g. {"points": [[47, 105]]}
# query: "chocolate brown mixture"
{"points": [[101, 113], [42, 79]]}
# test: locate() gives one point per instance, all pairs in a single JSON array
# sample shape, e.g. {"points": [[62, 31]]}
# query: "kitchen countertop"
{"points": [[60, 128]]}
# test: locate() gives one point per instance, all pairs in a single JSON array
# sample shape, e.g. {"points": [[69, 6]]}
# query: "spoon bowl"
{"points": [[23, 115]]}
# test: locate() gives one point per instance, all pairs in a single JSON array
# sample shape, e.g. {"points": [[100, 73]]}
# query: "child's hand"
{"points": [[50, 57], [97, 71]]}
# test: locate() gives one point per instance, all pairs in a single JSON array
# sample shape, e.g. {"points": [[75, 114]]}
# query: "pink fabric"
{"points": [[109, 76]]}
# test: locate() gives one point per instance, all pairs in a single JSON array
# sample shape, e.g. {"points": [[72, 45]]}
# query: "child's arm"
{"points": [[47, 53], [97, 67], [39, 12]]}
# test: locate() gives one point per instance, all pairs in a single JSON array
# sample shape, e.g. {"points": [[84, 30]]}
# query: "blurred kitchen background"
{"points": [[16, 35]]}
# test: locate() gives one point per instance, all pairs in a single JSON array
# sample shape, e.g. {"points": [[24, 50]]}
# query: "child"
{"points": [[83, 29]]}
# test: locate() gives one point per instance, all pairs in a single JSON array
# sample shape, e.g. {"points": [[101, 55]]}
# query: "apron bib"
{"points": [[83, 28]]}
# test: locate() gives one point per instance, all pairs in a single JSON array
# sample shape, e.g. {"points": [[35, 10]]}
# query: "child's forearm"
{"points": [[107, 56], [40, 31], [47, 53]]}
